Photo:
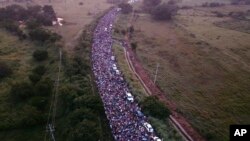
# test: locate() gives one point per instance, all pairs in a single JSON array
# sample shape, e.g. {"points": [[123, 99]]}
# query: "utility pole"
{"points": [[51, 129], [156, 72]]}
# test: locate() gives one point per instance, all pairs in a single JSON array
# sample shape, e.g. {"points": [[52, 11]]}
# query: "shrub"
{"points": [[151, 3], [43, 88], [38, 102], [218, 14], [164, 12], [21, 91], [34, 78], [134, 45], [152, 106], [131, 29], [126, 8], [40, 70], [32, 24], [40, 55], [4, 70], [39, 34]]}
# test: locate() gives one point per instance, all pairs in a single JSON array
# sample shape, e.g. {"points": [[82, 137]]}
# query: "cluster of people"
{"points": [[125, 117]]}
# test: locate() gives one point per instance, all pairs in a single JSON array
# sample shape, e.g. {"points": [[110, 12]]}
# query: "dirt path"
{"points": [[179, 122]]}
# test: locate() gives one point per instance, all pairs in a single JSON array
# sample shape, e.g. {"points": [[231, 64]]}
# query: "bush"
{"points": [[43, 88], [21, 91], [34, 78], [39, 34], [153, 107], [131, 29], [126, 8], [40, 55], [32, 24], [151, 3], [38, 102], [164, 12], [134, 45], [40, 70], [218, 14], [4, 70]]}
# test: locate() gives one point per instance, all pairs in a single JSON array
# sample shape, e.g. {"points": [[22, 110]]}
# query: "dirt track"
{"points": [[178, 120]]}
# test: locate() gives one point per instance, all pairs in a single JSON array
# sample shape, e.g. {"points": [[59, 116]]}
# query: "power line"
{"points": [[50, 126]]}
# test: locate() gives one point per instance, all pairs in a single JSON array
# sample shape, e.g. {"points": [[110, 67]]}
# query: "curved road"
{"points": [[126, 120]]}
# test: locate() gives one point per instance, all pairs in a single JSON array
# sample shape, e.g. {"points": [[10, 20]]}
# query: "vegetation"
{"points": [[5, 70], [14, 16], [44, 15], [162, 126], [164, 11], [236, 2], [153, 107], [192, 87], [151, 3], [126, 8], [25, 120], [81, 115], [212, 4], [134, 46], [40, 55]]}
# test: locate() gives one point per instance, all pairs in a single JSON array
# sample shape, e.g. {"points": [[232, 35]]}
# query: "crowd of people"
{"points": [[125, 122]]}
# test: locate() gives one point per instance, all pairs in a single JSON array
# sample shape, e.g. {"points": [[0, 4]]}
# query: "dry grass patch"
{"points": [[137, 88], [204, 68]]}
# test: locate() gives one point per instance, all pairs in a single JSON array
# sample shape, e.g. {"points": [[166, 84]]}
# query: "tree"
{"points": [[90, 101], [38, 102], [152, 106], [40, 55], [4, 70], [34, 78], [126, 8], [32, 24], [21, 91], [134, 46], [151, 3], [40, 70], [86, 130], [43, 88], [39, 35], [164, 12]]}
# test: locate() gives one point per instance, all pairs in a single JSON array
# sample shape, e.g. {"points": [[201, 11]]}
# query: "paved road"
{"points": [[126, 120]]}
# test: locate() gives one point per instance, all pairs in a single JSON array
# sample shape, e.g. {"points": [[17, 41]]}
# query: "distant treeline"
{"points": [[236, 2], [28, 22], [44, 15]]}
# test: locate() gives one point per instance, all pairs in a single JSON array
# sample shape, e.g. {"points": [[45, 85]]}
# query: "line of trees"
{"points": [[236, 2], [44, 15], [151, 106], [159, 10], [13, 17], [126, 8]]}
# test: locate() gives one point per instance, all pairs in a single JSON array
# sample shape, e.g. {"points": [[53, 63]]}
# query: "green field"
{"points": [[18, 56], [163, 127], [204, 65], [24, 122]]}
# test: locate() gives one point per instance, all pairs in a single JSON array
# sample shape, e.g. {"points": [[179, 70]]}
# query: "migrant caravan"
{"points": [[126, 120]]}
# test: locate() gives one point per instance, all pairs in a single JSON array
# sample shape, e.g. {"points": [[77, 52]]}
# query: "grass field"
{"points": [[75, 16], [130, 77], [197, 2], [204, 68], [18, 55], [163, 128]]}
